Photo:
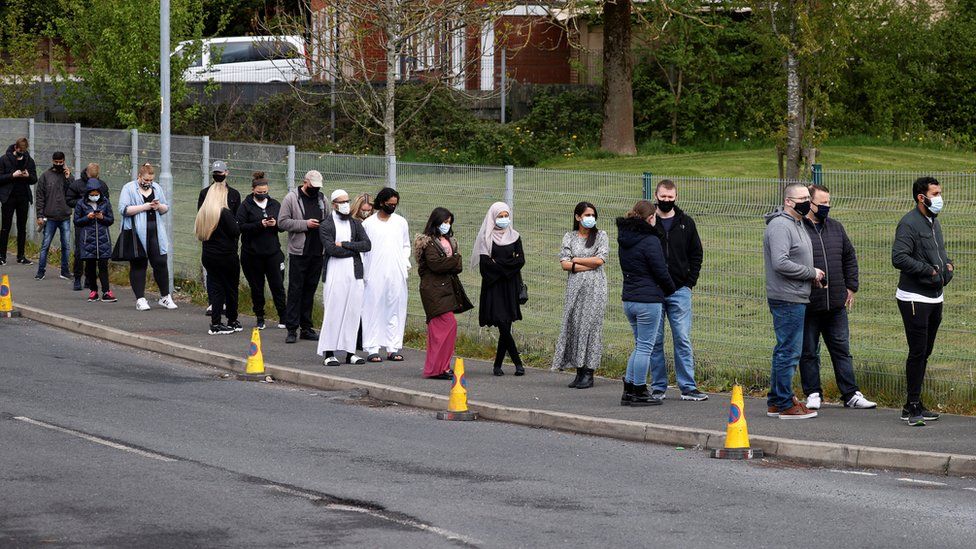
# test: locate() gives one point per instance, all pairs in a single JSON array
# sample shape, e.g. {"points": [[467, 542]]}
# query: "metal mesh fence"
{"points": [[732, 337]]}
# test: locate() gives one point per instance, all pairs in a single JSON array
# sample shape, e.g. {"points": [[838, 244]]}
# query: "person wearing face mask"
{"points": [[646, 283], [218, 175], [261, 257], [93, 217], [919, 252], [216, 227], [143, 207], [17, 173], [683, 251], [75, 193], [302, 211], [362, 206], [438, 265], [585, 250], [53, 213], [826, 314], [386, 266], [344, 241], [790, 274], [499, 255]]}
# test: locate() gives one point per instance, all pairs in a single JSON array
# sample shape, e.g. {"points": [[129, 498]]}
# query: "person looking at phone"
{"points": [[17, 173], [143, 207], [302, 211]]}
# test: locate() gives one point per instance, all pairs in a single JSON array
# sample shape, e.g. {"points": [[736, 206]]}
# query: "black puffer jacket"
{"points": [[256, 239], [682, 248], [646, 277], [834, 254], [19, 186], [94, 239], [919, 249]]}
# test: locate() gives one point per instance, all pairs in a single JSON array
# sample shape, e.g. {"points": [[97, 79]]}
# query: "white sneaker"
{"points": [[858, 401], [814, 401], [167, 301], [142, 304]]}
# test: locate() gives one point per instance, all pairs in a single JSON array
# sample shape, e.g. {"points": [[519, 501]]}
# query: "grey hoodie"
{"points": [[788, 256]]}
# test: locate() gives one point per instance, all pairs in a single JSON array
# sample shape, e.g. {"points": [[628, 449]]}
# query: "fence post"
{"points": [[503, 86], [31, 214], [77, 148], [510, 186], [817, 174], [205, 160], [291, 167], [648, 186], [391, 171], [134, 153]]}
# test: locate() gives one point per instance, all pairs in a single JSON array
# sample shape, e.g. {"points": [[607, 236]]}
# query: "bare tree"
{"points": [[366, 48]]}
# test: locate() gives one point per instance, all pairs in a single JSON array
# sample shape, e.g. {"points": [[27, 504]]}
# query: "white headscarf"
{"points": [[490, 234]]}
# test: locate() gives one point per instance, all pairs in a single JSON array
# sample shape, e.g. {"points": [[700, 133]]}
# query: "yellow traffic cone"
{"points": [[457, 405], [737, 433], [254, 370], [6, 300]]}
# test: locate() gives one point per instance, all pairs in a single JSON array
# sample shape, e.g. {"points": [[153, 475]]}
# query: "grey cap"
{"points": [[219, 166]]}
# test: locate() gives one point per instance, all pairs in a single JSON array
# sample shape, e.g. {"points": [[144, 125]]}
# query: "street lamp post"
{"points": [[165, 171]]}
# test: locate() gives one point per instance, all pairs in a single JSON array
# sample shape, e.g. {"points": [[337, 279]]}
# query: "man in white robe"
{"points": [[343, 241], [386, 266]]}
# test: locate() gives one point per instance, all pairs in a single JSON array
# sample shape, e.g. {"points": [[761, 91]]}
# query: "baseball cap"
{"points": [[219, 166], [314, 178]]}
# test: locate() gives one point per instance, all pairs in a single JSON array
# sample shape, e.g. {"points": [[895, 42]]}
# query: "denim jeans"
{"points": [[49, 228], [644, 318], [677, 307], [788, 325], [833, 326]]}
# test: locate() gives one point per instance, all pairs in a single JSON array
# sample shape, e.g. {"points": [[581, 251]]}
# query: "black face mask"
{"points": [[58, 167], [262, 196], [219, 177], [802, 208], [312, 192], [145, 185], [665, 205], [388, 208], [822, 212], [18, 155]]}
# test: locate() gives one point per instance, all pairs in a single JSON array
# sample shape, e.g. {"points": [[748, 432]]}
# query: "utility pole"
{"points": [[165, 171]]}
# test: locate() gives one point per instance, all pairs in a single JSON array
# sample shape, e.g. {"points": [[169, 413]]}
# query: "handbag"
{"points": [[128, 247], [523, 296]]}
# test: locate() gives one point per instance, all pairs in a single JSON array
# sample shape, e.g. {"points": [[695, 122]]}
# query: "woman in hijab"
{"points": [[498, 253]]}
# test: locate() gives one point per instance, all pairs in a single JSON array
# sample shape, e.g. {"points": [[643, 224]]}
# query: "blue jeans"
{"points": [[49, 228], [644, 320], [677, 307], [788, 324]]}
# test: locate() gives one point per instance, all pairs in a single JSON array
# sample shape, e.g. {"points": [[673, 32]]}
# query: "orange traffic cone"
{"points": [[6, 299], [737, 433], [457, 406]]}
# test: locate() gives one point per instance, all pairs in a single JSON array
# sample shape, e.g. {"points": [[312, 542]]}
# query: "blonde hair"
{"points": [[146, 168], [209, 214], [357, 204], [93, 170]]}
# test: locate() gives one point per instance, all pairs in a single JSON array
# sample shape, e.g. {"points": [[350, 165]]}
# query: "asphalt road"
{"points": [[104, 446]]}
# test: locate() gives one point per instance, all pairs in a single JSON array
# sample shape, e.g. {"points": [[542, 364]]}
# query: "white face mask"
{"points": [[444, 228], [94, 197], [935, 204], [344, 209], [503, 222]]}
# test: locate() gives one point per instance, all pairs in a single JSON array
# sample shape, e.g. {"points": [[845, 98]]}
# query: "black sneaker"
{"points": [[76, 286], [3, 260], [912, 413], [659, 395], [220, 329], [236, 325], [39, 276], [694, 395], [291, 337], [63, 276], [24, 261], [929, 415], [259, 324], [309, 334]]}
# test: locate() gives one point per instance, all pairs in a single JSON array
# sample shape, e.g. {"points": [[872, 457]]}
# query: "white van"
{"points": [[261, 59]]}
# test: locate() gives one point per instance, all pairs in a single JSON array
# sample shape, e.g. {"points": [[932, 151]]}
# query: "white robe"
{"points": [[342, 298], [385, 268]]}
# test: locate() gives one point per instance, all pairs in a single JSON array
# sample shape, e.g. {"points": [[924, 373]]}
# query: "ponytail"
{"points": [[641, 210]]}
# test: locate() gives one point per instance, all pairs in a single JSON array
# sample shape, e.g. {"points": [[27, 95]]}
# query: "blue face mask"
{"points": [[444, 228], [503, 222], [588, 221], [94, 197]]}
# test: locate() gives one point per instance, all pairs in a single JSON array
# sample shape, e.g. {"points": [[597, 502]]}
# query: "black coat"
{"points": [[355, 248], [8, 165], [76, 190], [440, 288], [256, 239], [645, 272], [919, 248], [223, 240], [501, 278], [233, 198], [682, 248], [94, 238], [833, 254]]}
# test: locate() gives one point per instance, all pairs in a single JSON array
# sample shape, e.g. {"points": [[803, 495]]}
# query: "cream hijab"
{"points": [[490, 234]]}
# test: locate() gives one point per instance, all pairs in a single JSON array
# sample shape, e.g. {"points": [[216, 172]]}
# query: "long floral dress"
{"points": [[580, 343]]}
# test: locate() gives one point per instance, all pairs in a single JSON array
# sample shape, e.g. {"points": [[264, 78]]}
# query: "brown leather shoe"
{"points": [[772, 411], [797, 411]]}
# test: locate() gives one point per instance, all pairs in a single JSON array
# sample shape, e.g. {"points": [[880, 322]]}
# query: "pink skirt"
{"points": [[441, 335]]}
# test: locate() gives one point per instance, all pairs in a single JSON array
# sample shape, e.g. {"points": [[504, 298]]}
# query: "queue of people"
{"points": [[362, 251]]}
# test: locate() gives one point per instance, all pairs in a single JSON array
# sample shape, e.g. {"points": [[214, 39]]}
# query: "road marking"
{"points": [[925, 482], [94, 439], [970, 489], [863, 473], [403, 521]]}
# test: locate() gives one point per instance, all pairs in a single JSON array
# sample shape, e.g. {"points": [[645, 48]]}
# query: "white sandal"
{"points": [[352, 358], [331, 361]]}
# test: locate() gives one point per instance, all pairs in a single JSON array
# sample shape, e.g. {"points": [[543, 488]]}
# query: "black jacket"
{"points": [[223, 240], [501, 281], [51, 196], [233, 198], [355, 248], [8, 165], [682, 248], [834, 254], [646, 278], [919, 248], [76, 190], [257, 239], [94, 238]]}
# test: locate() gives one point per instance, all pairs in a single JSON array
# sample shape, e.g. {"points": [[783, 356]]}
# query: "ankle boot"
{"points": [[587, 380], [628, 395], [579, 376], [497, 371], [643, 398], [519, 370]]}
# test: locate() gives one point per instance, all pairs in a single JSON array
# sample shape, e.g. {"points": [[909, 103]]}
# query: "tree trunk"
{"points": [[618, 97], [794, 120], [674, 111], [389, 107]]}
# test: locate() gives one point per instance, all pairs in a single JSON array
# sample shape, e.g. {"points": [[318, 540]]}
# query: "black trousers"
{"points": [[261, 268], [137, 274], [223, 285], [102, 266], [921, 322], [79, 262], [506, 344], [19, 205], [303, 279], [833, 326]]}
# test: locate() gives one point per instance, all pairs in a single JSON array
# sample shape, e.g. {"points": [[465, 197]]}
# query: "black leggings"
{"points": [[137, 275], [102, 264], [223, 285], [257, 269], [506, 344], [921, 322], [21, 207]]}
